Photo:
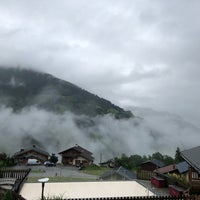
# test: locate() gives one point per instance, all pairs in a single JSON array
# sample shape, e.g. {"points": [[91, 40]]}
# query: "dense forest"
{"points": [[20, 88]]}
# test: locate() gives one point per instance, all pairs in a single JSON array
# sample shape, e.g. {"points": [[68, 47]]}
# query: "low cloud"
{"points": [[101, 135]]}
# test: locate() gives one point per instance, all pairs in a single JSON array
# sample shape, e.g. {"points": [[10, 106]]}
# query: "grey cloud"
{"points": [[157, 131], [130, 52]]}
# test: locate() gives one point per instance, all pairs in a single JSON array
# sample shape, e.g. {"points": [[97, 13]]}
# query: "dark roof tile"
{"points": [[191, 156], [182, 167], [156, 162], [82, 152], [34, 148]]}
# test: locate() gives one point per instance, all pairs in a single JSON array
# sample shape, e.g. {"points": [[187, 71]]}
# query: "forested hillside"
{"points": [[20, 88]]}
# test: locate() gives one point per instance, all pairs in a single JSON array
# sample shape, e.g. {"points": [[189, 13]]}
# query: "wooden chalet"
{"points": [[146, 169], [162, 177], [151, 165], [22, 157], [192, 157], [76, 156]]}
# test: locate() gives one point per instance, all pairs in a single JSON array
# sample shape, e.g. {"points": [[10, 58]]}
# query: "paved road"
{"points": [[67, 171]]}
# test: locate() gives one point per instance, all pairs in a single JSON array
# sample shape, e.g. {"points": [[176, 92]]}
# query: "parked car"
{"points": [[33, 162], [49, 164]]}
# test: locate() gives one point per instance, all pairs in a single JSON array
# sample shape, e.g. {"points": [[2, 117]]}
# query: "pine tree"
{"points": [[178, 157]]}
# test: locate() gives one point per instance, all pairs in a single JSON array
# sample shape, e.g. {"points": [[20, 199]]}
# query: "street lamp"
{"points": [[43, 181]]}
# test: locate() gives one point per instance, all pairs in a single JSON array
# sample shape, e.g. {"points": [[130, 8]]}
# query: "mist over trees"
{"points": [[20, 88]]}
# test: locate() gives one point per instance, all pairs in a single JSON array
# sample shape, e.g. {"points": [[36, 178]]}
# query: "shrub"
{"points": [[8, 195]]}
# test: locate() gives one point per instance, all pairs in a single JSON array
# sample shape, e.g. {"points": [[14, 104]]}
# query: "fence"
{"points": [[192, 197], [19, 175], [145, 175]]}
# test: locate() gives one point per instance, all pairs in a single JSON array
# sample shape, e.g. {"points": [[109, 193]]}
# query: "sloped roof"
{"points": [[77, 148], [182, 167], [83, 152], [191, 156], [87, 156], [156, 162], [166, 169], [126, 173], [120, 171], [33, 148]]}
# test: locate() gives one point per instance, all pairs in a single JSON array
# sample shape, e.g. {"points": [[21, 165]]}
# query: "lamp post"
{"points": [[43, 181]]}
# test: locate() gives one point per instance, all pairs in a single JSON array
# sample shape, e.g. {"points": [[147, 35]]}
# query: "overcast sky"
{"points": [[133, 52]]}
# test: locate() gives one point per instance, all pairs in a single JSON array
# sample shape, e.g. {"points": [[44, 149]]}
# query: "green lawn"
{"points": [[91, 170], [95, 170], [37, 171]]}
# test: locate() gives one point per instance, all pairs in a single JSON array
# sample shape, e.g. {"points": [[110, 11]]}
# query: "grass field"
{"points": [[95, 171], [58, 179]]}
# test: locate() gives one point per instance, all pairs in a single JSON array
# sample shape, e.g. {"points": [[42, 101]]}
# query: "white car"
{"points": [[33, 162]]}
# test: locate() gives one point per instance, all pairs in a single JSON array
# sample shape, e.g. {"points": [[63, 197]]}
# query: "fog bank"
{"points": [[103, 135]]}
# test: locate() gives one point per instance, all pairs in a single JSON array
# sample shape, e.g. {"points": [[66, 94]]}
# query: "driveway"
{"points": [[66, 171]]}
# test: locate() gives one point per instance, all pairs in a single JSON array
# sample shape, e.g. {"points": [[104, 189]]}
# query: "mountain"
{"points": [[20, 88], [46, 124]]}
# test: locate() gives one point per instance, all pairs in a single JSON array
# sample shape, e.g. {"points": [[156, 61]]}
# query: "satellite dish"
{"points": [[43, 180]]}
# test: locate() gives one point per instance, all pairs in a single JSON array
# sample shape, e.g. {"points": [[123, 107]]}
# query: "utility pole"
{"points": [[100, 157]]}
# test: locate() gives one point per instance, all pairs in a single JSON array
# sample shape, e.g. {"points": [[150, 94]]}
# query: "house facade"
{"points": [[151, 165], [192, 157], [76, 156], [21, 157]]}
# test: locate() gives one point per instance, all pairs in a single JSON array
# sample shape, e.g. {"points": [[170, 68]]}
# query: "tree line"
{"points": [[134, 161]]}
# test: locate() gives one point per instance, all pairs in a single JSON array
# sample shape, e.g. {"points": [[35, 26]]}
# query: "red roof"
{"points": [[166, 169]]}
